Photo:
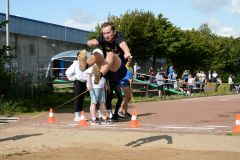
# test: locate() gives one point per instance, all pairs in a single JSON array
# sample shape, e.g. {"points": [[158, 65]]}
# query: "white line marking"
{"points": [[189, 128]]}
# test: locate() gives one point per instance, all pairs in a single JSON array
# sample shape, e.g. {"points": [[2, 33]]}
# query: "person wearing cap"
{"points": [[79, 78], [115, 54], [160, 82]]}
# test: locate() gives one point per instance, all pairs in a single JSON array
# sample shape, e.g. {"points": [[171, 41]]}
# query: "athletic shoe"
{"points": [[120, 113], [105, 121], [127, 115], [95, 122], [82, 58], [77, 119], [113, 119], [96, 73]]}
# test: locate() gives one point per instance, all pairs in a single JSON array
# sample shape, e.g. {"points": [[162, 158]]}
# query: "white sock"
{"points": [[93, 118], [110, 113], [79, 114], [104, 117], [100, 115], [76, 114]]}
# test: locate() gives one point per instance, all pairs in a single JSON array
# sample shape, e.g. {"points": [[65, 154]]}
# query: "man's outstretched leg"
{"points": [[112, 63]]}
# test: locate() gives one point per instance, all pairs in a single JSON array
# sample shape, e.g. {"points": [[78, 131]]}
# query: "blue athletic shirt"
{"points": [[127, 77]]}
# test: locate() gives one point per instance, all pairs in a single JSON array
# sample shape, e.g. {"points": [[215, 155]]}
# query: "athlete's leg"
{"points": [[127, 95], [113, 63], [102, 109], [120, 98]]}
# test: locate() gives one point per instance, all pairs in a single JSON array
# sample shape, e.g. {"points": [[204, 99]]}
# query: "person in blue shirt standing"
{"points": [[125, 84], [170, 70], [186, 75], [160, 82]]}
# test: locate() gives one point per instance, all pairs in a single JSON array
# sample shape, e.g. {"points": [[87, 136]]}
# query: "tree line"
{"points": [[154, 37]]}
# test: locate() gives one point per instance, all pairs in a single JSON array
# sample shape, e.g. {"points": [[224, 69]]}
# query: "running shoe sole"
{"points": [[96, 73], [82, 57], [121, 115], [106, 122], [96, 123]]}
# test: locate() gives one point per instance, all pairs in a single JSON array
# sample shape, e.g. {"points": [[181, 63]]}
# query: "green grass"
{"points": [[233, 134]]}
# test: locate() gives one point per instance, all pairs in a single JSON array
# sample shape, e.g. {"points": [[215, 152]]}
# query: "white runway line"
{"points": [[218, 126], [198, 128], [133, 128], [71, 124]]}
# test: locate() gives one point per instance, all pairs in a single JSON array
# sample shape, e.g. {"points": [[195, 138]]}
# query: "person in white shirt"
{"points": [[135, 69], [214, 75], [97, 93], [230, 82], [75, 74], [190, 83]]}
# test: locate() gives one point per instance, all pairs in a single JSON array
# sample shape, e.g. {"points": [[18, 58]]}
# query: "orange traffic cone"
{"points": [[134, 123], [82, 122], [51, 117], [237, 124]]}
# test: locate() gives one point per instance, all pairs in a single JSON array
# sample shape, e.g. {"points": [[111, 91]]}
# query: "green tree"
{"points": [[226, 62], [191, 51]]}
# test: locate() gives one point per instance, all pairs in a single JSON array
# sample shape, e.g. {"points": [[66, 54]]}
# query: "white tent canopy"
{"points": [[66, 56]]}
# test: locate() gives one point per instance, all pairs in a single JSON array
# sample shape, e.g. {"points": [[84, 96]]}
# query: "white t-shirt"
{"points": [[95, 86], [190, 81], [230, 80], [209, 76], [214, 75]]}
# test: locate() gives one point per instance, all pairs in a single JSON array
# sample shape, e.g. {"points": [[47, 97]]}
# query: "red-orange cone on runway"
{"points": [[134, 123], [82, 122], [237, 124], [51, 117]]}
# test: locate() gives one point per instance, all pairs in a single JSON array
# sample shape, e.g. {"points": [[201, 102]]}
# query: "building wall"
{"points": [[35, 52], [38, 28]]}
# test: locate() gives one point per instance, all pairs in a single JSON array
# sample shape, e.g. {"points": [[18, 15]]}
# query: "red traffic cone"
{"points": [[237, 124], [51, 117], [82, 122], [134, 123]]}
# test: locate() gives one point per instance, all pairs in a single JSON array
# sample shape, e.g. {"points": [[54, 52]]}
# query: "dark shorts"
{"points": [[125, 85], [160, 87], [117, 76]]}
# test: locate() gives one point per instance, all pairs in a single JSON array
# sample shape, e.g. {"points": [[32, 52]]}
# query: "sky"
{"points": [[222, 16]]}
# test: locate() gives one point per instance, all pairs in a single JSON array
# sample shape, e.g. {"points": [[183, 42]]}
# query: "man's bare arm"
{"points": [[92, 43], [125, 49]]}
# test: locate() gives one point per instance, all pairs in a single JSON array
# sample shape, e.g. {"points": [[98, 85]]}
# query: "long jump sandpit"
{"points": [[192, 128]]}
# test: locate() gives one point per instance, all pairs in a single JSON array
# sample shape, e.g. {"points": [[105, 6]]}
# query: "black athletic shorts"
{"points": [[116, 76], [160, 87]]}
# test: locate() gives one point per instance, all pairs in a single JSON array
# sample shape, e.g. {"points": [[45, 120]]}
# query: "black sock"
{"points": [[101, 75]]}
